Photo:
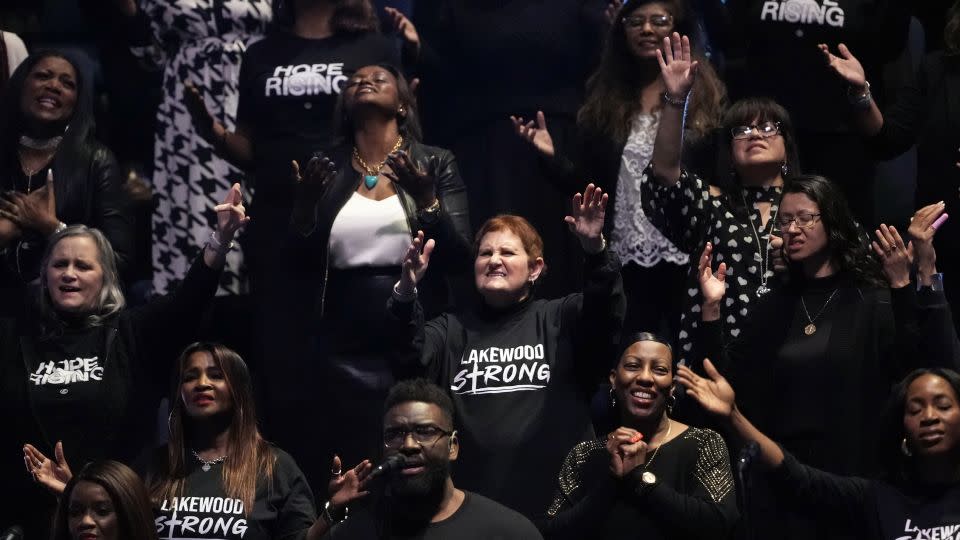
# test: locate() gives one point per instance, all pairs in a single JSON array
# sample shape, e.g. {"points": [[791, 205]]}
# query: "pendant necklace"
{"points": [[208, 463], [657, 449], [373, 173], [811, 328], [765, 253]]}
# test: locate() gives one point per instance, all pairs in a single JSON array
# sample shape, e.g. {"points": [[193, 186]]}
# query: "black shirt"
{"points": [[284, 509], [288, 88], [693, 496], [877, 510], [65, 383], [478, 518], [519, 378]]}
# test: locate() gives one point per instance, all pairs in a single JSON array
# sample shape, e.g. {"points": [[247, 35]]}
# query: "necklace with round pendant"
{"points": [[207, 464]]}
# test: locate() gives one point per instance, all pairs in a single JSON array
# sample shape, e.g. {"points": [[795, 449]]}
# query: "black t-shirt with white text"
{"points": [[288, 88], [283, 510], [478, 518], [65, 384]]}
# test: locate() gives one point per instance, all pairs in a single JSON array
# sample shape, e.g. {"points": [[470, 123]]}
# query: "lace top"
{"points": [[634, 238]]}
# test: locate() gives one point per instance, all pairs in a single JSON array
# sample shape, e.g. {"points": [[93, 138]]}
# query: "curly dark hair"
{"points": [[420, 390], [847, 242]]}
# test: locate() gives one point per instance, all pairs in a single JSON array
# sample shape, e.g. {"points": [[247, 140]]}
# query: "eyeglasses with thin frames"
{"points": [[804, 221], [657, 21], [764, 129], [425, 435]]}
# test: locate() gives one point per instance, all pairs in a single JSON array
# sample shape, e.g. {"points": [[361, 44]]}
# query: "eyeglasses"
{"points": [[804, 221], [764, 129], [423, 435], [637, 21]]}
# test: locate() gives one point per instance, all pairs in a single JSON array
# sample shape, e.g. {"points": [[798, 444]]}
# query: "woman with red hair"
{"points": [[520, 370]]}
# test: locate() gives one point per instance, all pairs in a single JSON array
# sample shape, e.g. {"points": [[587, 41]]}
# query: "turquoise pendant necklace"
{"points": [[373, 173]]}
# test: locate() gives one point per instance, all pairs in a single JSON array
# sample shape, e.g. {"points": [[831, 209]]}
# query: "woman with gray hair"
{"points": [[83, 367]]}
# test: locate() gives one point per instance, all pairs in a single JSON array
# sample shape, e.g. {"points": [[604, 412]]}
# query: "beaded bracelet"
{"points": [[670, 100]]}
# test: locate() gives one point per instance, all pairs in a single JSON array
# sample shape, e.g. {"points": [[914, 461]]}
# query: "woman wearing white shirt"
{"points": [[354, 224]]}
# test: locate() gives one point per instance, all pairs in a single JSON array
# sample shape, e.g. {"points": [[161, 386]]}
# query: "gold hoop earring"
{"points": [[904, 448]]}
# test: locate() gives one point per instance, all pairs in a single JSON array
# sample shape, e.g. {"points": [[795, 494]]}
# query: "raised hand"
{"points": [[612, 10], [415, 264], [846, 65], [627, 451], [923, 225], [318, 174], [203, 121], [589, 212], [231, 215], [536, 134], [777, 259], [712, 284], [896, 257], [677, 67], [50, 474], [403, 26], [714, 394], [405, 173], [35, 211], [344, 488]]}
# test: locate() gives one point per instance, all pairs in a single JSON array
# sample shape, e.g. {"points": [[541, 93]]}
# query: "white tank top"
{"points": [[369, 233]]}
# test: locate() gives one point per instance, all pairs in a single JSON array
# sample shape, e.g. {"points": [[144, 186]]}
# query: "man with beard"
{"points": [[418, 500]]}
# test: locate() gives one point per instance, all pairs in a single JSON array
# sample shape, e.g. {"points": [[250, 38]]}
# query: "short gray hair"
{"points": [[111, 300]]}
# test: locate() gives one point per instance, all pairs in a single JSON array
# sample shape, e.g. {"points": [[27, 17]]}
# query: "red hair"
{"points": [[528, 235]]}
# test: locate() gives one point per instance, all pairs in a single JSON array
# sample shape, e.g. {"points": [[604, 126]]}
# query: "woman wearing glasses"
{"points": [[736, 211], [844, 313], [615, 131]]}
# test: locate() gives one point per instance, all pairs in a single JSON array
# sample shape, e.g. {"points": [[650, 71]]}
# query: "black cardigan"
{"points": [[140, 348], [451, 231], [877, 336]]}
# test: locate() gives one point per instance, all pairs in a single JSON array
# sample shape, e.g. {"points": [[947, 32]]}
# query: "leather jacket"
{"points": [[449, 228]]}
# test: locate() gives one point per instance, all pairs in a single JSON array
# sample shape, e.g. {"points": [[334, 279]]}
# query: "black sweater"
{"points": [[520, 379], [876, 336], [693, 497], [138, 350], [877, 510]]}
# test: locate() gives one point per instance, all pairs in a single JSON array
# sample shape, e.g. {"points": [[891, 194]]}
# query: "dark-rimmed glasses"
{"points": [[764, 129], [424, 435], [804, 221]]}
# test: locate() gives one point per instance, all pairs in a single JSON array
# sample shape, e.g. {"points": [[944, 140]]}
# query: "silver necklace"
{"points": [[208, 463], [811, 328], [762, 289], [40, 144]]}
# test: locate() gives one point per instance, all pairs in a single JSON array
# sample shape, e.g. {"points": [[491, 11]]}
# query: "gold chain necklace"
{"points": [[373, 173], [657, 449]]}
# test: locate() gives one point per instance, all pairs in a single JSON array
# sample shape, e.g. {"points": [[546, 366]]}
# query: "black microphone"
{"points": [[747, 455], [13, 533], [387, 466]]}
